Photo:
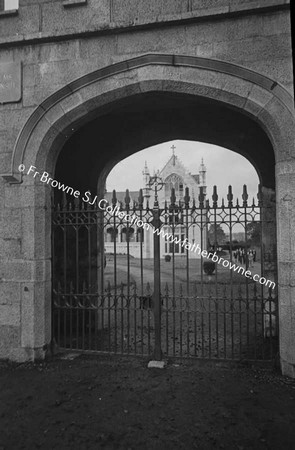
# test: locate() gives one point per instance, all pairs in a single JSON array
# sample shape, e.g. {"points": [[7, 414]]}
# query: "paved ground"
{"points": [[225, 276], [106, 402]]}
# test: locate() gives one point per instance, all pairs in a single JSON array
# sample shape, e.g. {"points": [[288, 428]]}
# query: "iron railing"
{"points": [[117, 291]]}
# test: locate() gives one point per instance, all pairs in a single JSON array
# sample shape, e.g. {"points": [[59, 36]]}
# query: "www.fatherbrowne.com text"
{"points": [[103, 204]]}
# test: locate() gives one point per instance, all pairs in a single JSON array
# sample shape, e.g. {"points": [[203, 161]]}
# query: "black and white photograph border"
{"points": [[146, 224]]}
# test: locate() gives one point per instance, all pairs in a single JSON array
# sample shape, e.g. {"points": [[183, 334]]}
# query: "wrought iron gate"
{"points": [[121, 285]]}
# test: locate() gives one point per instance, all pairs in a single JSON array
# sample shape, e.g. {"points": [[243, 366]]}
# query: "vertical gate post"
{"points": [[157, 184], [157, 286]]}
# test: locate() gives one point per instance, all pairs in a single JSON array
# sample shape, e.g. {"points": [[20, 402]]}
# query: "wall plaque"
{"points": [[10, 82]]}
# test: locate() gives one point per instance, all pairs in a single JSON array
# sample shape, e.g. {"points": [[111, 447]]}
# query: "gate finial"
{"points": [[230, 197], [245, 196], [201, 197], [114, 198], [215, 197]]}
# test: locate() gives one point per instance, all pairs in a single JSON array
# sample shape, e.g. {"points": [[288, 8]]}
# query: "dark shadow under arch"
{"points": [[152, 118]]}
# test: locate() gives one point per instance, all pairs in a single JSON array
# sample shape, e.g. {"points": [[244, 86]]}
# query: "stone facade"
{"points": [[233, 58]]}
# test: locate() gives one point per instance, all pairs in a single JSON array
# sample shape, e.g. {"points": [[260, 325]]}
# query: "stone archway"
{"points": [[57, 118]]}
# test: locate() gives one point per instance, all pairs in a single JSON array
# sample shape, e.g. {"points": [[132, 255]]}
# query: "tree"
{"points": [[216, 234], [253, 230]]}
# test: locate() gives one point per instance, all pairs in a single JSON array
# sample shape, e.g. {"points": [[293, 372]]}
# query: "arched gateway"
{"points": [[140, 102]]}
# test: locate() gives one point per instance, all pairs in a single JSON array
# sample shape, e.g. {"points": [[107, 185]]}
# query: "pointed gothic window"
{"points": [[176, 182]]}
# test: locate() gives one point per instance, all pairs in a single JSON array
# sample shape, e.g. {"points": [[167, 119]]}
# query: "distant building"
{"points": [[173, 175]]}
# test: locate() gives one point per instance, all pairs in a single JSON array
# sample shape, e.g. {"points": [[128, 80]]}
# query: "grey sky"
{"points": [[224, 167]]}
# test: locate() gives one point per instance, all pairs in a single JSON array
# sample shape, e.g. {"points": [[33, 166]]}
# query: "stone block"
{"points": [[28, 234], [51, 73], [26, 22], [11, 224], [125, 87], [6, 55], [28, 54], [10, 315], [42, 270], [282, 127], [30, 77], [253, 49], [286, 324], [36, 233], [13, 195], [245, 27], [36, 314], [60, 51], [278, 69], [286, 271], [33, 96], [210, 6], [257, 99], [13, 118], [21, 355], [9, 292], [7, 140], [16, 271], [172, 40], [42, 313], [22, 196], [287, 368], [289, 86], [56, 116], [129, 11], [204, 50], [49, 77], [73, 102], [156, 365], [31, 55], [240, 5], [2, 197], [102, 49], [58, 18], [10, 248], [37, 150], [27, 314], [274, 24], [206, 32], [5, 162], [234, 32], [9, 340]]}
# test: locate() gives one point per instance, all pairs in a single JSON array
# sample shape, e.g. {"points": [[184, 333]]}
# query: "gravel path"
{"points": [[102, 402]]}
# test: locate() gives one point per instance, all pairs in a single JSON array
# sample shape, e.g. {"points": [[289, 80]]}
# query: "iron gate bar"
{"points": [[110, 309], [157, 286]]}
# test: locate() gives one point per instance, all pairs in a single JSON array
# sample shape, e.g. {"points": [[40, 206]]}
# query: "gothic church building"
{"points": [[173, 175]]}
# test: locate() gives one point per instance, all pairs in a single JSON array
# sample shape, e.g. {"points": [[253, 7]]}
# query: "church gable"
{"points": [[174, 165], [175, 175]]}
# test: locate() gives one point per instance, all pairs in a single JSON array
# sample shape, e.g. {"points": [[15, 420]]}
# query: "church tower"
{"points": [[146, 179], [202, 175]]}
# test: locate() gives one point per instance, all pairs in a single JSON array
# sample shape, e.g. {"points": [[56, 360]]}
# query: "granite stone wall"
{"points": [[58, 42]]}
